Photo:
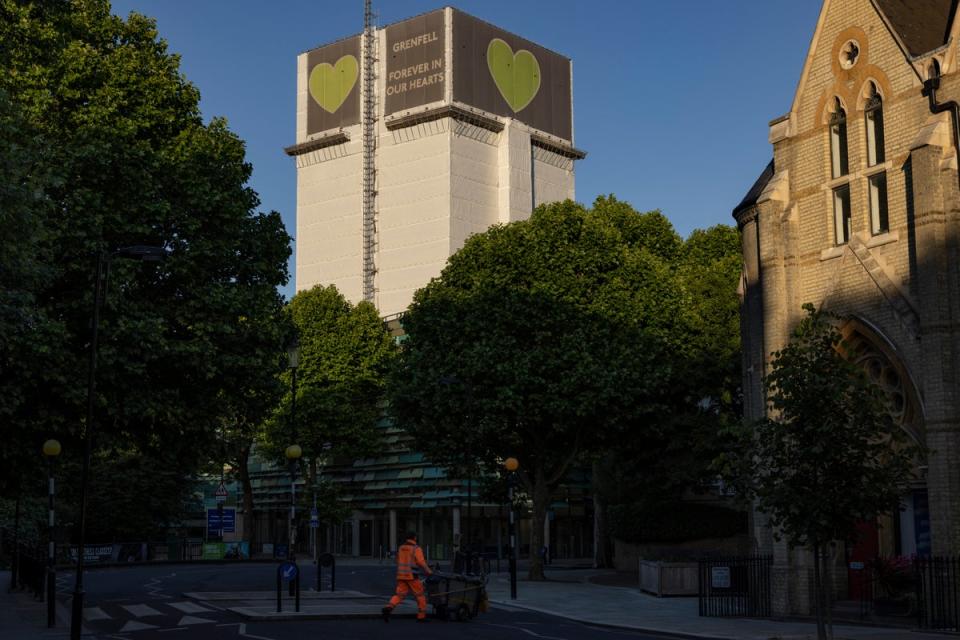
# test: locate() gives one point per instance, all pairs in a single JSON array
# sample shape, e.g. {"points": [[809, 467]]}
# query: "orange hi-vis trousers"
{"points": [[406, 586]]}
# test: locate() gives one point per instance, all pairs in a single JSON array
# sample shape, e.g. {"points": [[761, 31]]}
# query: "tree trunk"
{"points": [[248, 523], [830, 567], [541, 494], [818, 593], [602, 553]]}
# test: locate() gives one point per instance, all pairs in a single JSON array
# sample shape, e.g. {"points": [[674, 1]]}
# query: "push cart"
{"points": [[454, 594]]}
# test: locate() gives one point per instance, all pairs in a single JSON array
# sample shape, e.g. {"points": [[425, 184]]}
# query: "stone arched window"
{"points": [[839, 163], [873, 112], [876, 154], [883, 367]]}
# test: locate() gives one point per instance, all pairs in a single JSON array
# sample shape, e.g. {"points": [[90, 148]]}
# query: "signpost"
{"points": [[288, 572]]}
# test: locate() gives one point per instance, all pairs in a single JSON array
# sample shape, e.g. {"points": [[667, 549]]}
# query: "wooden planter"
{"points": [[668, 578]]}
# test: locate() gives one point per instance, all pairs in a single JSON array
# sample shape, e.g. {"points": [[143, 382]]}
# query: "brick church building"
{"points": [[859, 212]]}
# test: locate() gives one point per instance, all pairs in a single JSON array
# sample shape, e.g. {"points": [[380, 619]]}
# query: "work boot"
{"points": [[385, 612]]}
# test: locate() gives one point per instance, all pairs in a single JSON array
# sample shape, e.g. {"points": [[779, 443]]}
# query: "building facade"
{"points": [[414, 136], [859, 212], [409, 139]]}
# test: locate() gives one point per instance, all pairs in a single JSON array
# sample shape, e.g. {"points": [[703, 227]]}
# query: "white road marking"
{"points": [[154, 586], [141, 610], [189, 607], [133, 625], [527, 631], [185, 620], [243, 632], [95, 613]]}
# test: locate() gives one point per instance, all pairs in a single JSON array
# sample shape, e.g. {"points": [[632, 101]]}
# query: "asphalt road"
{"points": [[147, 603]]}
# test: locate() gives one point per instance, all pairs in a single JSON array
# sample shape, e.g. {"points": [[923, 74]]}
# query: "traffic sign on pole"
{"points": [[221, 494]]}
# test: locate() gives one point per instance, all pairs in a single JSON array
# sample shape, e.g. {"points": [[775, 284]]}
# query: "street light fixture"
{"points": [[51, 449], [511, 465], [143, 253]]}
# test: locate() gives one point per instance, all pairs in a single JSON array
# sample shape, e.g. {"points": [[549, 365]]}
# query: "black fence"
{"points": [[938, 592], [732, 587]]}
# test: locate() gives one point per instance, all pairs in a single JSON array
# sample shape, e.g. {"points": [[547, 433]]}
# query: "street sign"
{"points": [[288, 571], [229, 520], [720, 577], [314, 518], [221, 494]]}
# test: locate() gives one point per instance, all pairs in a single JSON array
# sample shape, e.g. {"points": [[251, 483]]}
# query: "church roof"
{"points": [[923, 25], [754, 194]]}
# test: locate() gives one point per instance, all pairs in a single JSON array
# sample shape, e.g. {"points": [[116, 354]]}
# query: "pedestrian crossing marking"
{"points": [[185, 620], [141, 610], [189, 607], [95, 613], [133, 625]]}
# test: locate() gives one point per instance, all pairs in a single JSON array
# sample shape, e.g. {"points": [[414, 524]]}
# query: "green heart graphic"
{"points": [[517, 75], [331, 84]]}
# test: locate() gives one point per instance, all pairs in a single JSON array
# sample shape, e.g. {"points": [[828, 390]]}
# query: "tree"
{"points": [[829, 455], [543, 340], [642, 478], [117, 154], [345, 353]]}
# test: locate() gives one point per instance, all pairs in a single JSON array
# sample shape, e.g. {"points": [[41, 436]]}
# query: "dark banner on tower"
{"points": [[416, 62], [333, 85], [506, 75]]}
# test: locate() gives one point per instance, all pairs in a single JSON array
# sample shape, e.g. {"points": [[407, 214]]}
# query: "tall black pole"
{"points": [[76, 617], [293, 463], [513, 541], [470, 520], [51, 550], [15, 569]]}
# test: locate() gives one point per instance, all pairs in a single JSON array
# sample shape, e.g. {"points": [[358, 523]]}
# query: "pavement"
{"points": [[570, 594], [22, 617]]}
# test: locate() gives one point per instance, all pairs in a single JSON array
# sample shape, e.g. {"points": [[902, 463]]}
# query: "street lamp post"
{"points": [[138, 252], [51, 449], [294, 451], [511, 465]]}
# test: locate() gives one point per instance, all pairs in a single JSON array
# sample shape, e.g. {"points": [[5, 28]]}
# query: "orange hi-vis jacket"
{"points": [[409, 557]]}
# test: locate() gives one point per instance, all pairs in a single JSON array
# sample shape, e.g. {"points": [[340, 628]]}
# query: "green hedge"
{"points": [[678, 522]]}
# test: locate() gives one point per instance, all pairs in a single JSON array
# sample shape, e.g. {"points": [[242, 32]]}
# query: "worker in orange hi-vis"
{"points": [[409, 559]]}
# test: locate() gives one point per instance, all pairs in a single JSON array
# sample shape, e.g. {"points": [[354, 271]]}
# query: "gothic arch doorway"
{"points": [[907, 531]]}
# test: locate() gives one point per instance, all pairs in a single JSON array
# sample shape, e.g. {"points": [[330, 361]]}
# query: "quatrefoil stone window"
{"points": [[849, 54]]}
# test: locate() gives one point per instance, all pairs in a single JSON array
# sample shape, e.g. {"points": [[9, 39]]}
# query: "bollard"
{"points": [[297, 601], [327, 560]]}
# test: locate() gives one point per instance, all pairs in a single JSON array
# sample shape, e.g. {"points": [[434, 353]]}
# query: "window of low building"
{"points": [[879, 222], [874, 117], [841, 213], [838, 141]]}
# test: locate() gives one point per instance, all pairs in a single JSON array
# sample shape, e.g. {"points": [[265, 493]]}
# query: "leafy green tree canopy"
{"points": [[544, 339], [118, 155], [345, 353]]}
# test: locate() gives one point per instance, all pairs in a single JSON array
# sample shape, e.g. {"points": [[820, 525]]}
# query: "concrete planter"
{"points": [[668, 578]]}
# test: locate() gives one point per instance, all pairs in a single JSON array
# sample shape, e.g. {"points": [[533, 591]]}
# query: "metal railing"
{"points": [[735, 587], [938, 592]]}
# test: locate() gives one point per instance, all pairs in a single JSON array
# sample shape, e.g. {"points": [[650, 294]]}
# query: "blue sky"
{"points": [[671, 99]]}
